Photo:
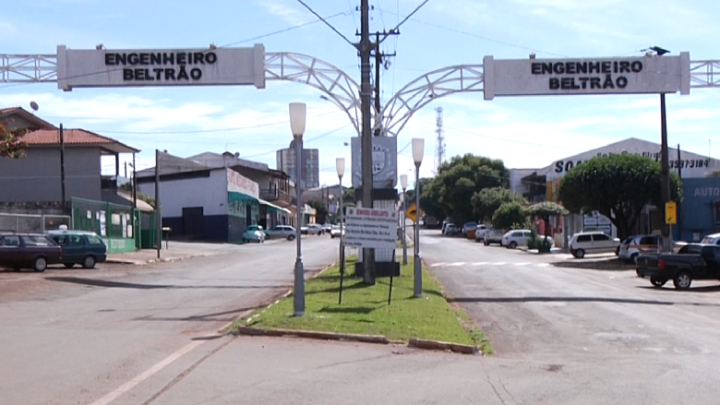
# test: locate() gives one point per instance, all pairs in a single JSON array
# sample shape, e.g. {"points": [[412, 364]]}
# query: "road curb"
{"points": [[445, 346], [423, 344]]}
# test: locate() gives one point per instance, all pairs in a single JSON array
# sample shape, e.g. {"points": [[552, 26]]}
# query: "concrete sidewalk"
{"points": [[177, 251]]}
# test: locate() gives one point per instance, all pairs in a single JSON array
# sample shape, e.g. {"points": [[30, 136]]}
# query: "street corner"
{"points": [[601, 263]]}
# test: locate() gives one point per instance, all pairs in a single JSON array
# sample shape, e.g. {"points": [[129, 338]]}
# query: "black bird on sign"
{"points": [[659, 51]]}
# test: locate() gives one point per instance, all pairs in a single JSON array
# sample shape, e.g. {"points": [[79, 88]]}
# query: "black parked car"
{"points": [[693, 262], [28, 251]]}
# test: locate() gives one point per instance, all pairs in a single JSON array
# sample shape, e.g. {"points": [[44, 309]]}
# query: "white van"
{"points": [[592, 242], [712, 239]]}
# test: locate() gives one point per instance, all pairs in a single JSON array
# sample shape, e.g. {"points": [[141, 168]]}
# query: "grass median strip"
{"points": [[365, 310]]}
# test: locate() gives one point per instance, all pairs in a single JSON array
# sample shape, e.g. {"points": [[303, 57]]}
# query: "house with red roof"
{"points": [[36, 177]]}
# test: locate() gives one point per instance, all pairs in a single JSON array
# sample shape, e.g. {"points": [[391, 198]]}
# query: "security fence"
{"points": [[30, 223]]}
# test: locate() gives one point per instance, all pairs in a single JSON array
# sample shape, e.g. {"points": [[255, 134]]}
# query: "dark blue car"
{"points": [[83, 248]]}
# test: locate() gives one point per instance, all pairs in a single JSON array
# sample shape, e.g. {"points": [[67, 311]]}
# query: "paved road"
{"points": [[73, 336], [602, 336]]}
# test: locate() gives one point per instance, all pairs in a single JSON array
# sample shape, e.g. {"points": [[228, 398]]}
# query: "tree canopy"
{"points": [[460, 178], [11, 144], [545, 210], [509, 215], [488, 200], [428, 198], [617, 186], [322, 210]]}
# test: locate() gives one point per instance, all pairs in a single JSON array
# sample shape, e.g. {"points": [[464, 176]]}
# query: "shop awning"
{"points": [[235, 196], [272, 207]]}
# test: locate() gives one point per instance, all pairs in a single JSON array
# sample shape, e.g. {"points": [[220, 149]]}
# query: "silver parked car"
{"points": [[281, 232], [254, 233]]}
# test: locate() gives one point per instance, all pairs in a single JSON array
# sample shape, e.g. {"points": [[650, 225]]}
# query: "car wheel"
{"points": [[69, 265], [579, 254], [682, 280], [291, 237], [512, 245], [88, 262], [486, 243], [657, 282], [40, 264]]}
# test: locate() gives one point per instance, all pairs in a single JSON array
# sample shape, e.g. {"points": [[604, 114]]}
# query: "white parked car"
{"points": [[281, 232], [513, 239], [336, 231], [712, 239], [592, 242], [312, 229]]}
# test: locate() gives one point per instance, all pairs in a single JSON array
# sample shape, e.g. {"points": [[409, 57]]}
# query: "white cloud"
{"points": [[7, 29], [290, 14]]}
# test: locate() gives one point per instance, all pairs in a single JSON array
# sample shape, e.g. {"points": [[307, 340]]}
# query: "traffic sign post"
{"points": [[671, 213], [412, 213]]}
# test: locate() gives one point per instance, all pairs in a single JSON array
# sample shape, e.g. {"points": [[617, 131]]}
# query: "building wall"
{"points": [[700, 209], [36, 177], [210, 193], [285, 159]]}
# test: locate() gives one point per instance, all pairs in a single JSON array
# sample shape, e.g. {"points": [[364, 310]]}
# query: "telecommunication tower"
{"points": [[440, 140]]}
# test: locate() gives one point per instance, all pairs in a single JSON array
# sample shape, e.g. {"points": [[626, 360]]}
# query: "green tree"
{"points": [[349, 195], [322, 210], [617, 186], [488, 200], [509, 215], [460, 178], [11, 144], [545, 210], [428, 198]]}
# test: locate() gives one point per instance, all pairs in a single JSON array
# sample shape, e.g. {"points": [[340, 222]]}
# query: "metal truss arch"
{"points": [[337, 85], [426, 88]]}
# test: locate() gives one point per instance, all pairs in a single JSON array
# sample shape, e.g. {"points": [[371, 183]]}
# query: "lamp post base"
{"points": [[418, 276], [299, 292]]}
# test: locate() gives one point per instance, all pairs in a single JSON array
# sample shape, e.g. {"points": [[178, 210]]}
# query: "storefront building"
{"points": [[538, 185]]}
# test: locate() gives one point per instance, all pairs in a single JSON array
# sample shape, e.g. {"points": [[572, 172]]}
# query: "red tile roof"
{"points": [[74, 137]]}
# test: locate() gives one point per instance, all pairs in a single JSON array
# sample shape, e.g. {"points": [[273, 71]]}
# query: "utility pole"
{"points": [[126, 170], [365, 48], [679, 209], [440, 141], [158, 213], [378, 66], [664, 173], [62, 166]]}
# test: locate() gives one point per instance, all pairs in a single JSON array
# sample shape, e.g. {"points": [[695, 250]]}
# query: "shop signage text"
{"points": [[562, 166], [183, 67], [629, 75]]}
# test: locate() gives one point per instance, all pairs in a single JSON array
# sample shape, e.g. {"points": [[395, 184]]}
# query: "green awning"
{"points": [[235, 196], [273, 208]]}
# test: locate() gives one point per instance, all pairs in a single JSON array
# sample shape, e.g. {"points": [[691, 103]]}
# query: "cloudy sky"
{"points": [[524, 132]]}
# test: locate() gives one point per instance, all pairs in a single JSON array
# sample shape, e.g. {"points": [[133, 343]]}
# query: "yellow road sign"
{"points": [[413, 214], [670, 213]]}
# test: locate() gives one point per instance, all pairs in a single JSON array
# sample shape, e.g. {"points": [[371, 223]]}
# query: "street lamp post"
{"points": [[403, 183], [418, 148], [297, 125], [340, 166]]}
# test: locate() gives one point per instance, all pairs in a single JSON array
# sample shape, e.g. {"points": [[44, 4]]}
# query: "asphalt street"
{"points": [[73, 336], [570, 335]]}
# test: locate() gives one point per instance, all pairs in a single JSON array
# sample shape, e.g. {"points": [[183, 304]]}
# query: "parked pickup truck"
{"points": [[692, 262], [494, 236]]}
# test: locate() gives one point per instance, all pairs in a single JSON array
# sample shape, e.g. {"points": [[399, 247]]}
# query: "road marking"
{"points": [[110, 397], [455, 264], [522, 264], [498, 264], [437, 264], [479, 263], [543, 264]]}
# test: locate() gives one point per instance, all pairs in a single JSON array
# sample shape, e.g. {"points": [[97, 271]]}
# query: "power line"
{"points": [[203, 131], [397, 27], [352, 15], [457, 31], [327, 23], [320, 18]]}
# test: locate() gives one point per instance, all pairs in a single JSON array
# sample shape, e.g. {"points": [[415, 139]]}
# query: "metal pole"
{"points": [[679, 210], [158, 212], [134, 183], [342, 245], [664, 173], [299, 293], [62, 166], [417, 261], [365, 48], [404, 228]]}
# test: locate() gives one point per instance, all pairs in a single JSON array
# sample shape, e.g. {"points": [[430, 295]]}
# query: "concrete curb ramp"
{"points": [[375, 339]]}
